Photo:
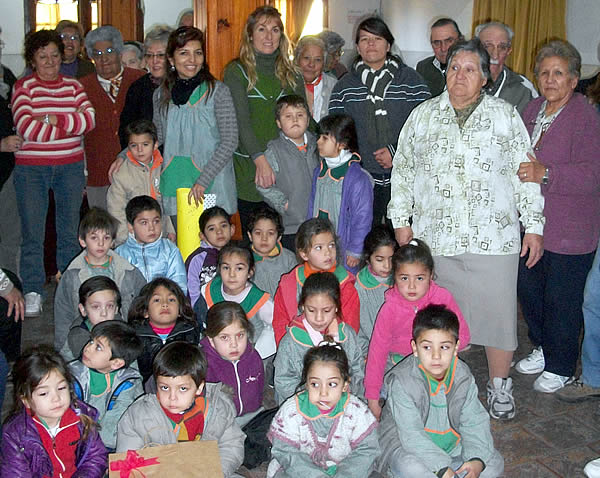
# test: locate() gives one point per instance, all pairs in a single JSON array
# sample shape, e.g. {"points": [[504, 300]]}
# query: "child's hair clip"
{"points": [[413, 242], [331, 343]]}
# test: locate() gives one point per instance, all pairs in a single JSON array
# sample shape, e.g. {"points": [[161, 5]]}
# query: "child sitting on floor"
{"points": [[433, 424], [184, 408], [104, 378]]}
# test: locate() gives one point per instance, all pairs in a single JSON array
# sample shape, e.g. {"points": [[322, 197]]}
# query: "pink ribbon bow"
{"points": [[132, 462]]}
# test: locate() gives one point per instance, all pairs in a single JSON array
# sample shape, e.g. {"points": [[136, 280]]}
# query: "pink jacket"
{"points": [[393, 331]]}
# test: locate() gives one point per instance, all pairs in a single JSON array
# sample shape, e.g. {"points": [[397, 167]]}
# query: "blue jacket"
{"points": [[160, 258]]}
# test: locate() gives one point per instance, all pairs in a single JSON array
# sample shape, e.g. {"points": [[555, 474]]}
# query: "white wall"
{"points": [[583, 30], [163, 11], [410, 22], [13, 28]]}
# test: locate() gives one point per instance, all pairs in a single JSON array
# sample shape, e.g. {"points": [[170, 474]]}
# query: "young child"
{"points": [[316, 246], [232, 359], [414, 289], [433, 423], [96, 235], [293, 158], [145, 247], [138, 175], [236, 267], [161, 314], [323, 430], [321, 310], [99, 301], [271, 259], [104, 379], [201, 265], [184, 408], [50, 433], [342, 191], [374, 279]]}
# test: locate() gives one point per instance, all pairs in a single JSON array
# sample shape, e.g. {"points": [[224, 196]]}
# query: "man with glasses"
{"points": [[497, 38], [107, 90], [444, 34]]}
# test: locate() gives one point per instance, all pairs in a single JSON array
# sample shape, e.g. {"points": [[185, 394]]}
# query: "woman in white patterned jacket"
{"points": [[455, 174]]}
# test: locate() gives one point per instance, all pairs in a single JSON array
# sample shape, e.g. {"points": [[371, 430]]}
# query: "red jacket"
{"points": [[102, 144], [286, 300]]}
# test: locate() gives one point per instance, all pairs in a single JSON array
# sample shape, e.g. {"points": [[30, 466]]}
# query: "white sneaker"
{"points": [[500, 400], [33, 304], [533, 363], [592, 469], [549, 382]]}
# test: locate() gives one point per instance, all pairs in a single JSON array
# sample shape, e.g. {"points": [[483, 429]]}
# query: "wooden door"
{"points": [[223, 22], [126, 15]]}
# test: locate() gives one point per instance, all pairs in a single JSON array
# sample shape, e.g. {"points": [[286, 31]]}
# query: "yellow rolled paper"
{"points": [[188, 238]]}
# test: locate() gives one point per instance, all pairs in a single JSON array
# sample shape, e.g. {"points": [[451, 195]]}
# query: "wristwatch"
{"points": [[546, 177], [47, 118]]}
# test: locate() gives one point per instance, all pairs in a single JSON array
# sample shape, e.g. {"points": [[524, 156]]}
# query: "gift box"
{"points": [[181, 460], [188, 214]]}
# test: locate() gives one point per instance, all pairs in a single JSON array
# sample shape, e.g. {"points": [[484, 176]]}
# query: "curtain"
{"points": [[535, 22], [295, 13]]}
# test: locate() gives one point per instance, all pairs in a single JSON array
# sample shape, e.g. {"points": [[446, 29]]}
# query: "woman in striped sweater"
{"points": [[51, 113]]}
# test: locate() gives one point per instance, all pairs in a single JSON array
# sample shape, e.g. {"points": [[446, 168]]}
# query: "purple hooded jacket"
{"points": [[246, 376], [24, 456], [356, 210]]}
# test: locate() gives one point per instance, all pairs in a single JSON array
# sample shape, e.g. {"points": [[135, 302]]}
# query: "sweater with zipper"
{"points": [[24, 454], [184, 330], [245, 376]]}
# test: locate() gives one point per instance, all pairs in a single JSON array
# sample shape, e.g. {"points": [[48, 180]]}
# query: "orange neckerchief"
{"points": [[308, 271], [189, 426], [157, 160]]}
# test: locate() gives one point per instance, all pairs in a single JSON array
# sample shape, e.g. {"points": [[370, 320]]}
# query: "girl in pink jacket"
{"points": [[414, 289]]}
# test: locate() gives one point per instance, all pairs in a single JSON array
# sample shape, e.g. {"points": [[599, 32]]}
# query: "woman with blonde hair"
{"points": [[262, 74]]}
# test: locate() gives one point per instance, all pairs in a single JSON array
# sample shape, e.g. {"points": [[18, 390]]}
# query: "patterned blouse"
{"points": [[460, 185]]}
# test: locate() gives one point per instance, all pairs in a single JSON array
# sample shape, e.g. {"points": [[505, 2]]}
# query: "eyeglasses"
{"points": [[501, 47], [64, 36], [155, 56], [100, 53], [446, 42]]}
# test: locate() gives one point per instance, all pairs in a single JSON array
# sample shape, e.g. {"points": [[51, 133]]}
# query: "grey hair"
{"points": [[104, 33], [474, 45], [310, 40], [134, 47], [503, 26], [333, 41], [183, 13], [561, 49], [158, 33]]}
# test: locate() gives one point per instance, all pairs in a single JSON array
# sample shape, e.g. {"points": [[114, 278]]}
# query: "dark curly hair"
{"points": [[40, 39]]}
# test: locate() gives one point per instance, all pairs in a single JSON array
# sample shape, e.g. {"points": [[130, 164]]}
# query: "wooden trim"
{"points": [[325, 13], [200, 17], [29, 15]]}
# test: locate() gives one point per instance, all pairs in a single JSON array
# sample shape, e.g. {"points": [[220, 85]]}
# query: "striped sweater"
{"points": [[46, 144]]}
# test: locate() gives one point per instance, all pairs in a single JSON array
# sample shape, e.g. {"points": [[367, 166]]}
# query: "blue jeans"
{"points": [[32, 184], [590, 352], [551, 296]]}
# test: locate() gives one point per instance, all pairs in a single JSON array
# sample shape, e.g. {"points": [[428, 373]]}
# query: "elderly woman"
{"points": [[455, 174], [138, 103], [310, 56], [51, 113], [73, 64], [379, 93], [132, 55], [565, 132], [333, 53], [263, 73], [107, 90]]}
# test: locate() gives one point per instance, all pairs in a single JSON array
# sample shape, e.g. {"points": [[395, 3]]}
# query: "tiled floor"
{"points": [[547, 438]]}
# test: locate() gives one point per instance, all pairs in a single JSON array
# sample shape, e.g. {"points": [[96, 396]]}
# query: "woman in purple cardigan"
{"points": [[565, 135]]}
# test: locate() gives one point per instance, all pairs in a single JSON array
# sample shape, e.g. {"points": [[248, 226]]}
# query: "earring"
{"points": [[172, 68]]}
